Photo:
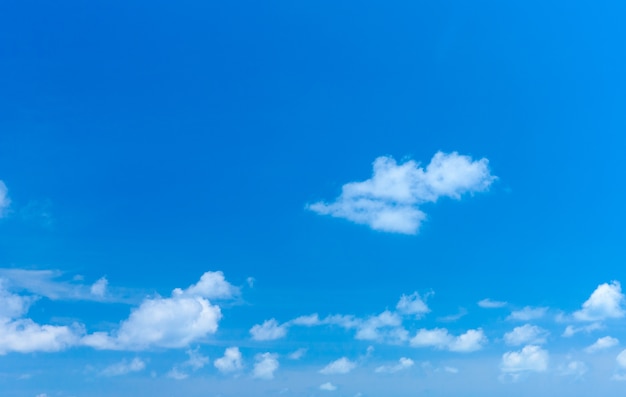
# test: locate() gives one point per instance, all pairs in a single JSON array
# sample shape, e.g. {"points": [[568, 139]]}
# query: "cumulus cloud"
{"points": [[212, 285], [412, 304], [604, 303], [124, 367], [602, 344], [404, 363], [386, 326], [328, 387], [389, 201], [5, 202], [265, 366], [164, 322], [99, 288], [340, 366], [26, 336], [491, 304], [440, 338], [526, 334], [269, 330], [528, 313], [531, 358], [230, 362]]}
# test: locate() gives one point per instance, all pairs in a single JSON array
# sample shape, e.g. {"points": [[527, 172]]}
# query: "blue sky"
{"points": [[312, 198]]}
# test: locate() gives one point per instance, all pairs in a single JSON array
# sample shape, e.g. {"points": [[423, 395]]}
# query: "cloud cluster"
{"points": [[531, 358], [440, 338], [390, 200]]}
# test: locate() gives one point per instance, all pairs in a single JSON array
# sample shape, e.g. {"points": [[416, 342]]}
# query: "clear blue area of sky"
{"points": [[150, 142]]}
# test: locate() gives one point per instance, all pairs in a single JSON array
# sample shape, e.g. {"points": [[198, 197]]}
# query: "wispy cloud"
{"points": [[528, 314], [403, 363], [390, 200], [440, 338], [525, 335], [491, 304], [124, 367], [340, 366], [602, 344], [5, 202]]}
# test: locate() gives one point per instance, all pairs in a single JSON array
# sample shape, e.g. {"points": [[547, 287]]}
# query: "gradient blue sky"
{"points": [[146, 144]]}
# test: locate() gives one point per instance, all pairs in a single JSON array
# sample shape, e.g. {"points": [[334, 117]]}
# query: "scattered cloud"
{"points": [[389, 201], [404, 363], [573, 368], [412, 304], [384, 326], [328, 387], [525, 335], [265, 366], [571, 330], [124, 367], [196, 360], [26, 336], [298, 354], [602, 344], [230, 362], [166, 322], [99, 288], [453, 317], [604, 303], [439, 338], [451, 370], [306, 321], [269, 330], [177, 374], [491, 304], [5, 202], [528, 314], [340, 366], [212, 285], [531, 358]]}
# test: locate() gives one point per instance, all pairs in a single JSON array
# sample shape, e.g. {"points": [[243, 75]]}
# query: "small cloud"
{"points": [[390, 200], [269, 330], [265, 366], [602, 344], [573, 368], [124, 367], [386, 325], [453, 317], [439, 338], [306, 321], [298, 354], [491, 304], [230, 362], [99, 288], [5, 202], [196, 360], [250, 281], [531, 358], [451, 370], [340, 366], [177, 374], [571, 330], [528, 313], [526, 334], [412, 304], [604, 303], [404, 363], [328, 387]]}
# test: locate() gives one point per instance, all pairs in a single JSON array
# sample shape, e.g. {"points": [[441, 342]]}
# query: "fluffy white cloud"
{"points": [[269, 330], [412, 304], [164, 322], [230, 362], [389, 201], [404, 363], [605, 302], [526, 334], [528, 313], [26, 336], [196, 360], [12, 305], [124, 367], [5, 202], [602, 343], [265, 366], [212, 285], [340, 366], [472, 340], [99, 288], [306, 321], [491, 304], [531, 358], [328, 387], [386, 325]]}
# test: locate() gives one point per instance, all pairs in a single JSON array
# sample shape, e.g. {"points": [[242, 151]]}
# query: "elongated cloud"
{"points": [[390, 200], [4, 199], [124, 367], [340, 366], [404, 363], [472, 340]]}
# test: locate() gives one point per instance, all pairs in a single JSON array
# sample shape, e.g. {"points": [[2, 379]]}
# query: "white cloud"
{"points": [[99, 288], [265, 366], [212, 285], [177, 374], [298, 354], [602, 344], [328, 387], [5, 202], [389, 201], [269, 330], [605, 302], [404, 363], [574, 368], [196, 360], [412, 304], [12, 305], [386, 325], [306, 321], [439, 338], [124, 367], [340, 366], [526, 334], [165, 322], [26, 336], [528, 313], [491, 304], [451, 370], [570, 330], [531, 358], [230, 362], [454, 317]]}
